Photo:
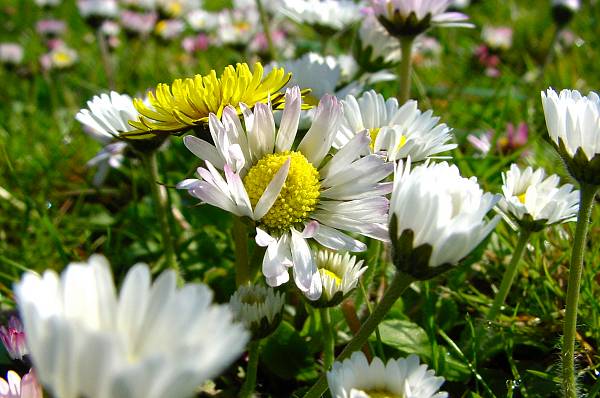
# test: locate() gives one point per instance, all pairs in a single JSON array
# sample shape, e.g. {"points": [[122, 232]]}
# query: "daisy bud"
{"points": [[573, 123], [535, 202], [259, 308], [403, 377], [13, 338], [16, 387], [339, 275], [437, 218]]}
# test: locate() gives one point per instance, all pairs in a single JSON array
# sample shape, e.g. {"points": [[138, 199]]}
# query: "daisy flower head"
{"points": [[397, 131], [573, 122], [87, 340], [409, 18], [259, 308], [564, 10], [11, 53], [399, 378], [13, 338], [535, 201], [187, 103], [16, 386], [436, 218], [98, 9], [293, 193], [325, 16], [376, 49], [340, 273]]}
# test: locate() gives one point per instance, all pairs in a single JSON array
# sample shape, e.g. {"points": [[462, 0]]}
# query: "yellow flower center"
{"points": [[521, 197], [299, 194], [174, 9], [332, 275], [375, 131], [381, 394], [61, 58]]}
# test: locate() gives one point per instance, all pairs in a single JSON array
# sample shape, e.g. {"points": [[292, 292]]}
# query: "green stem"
{"points": [[404, 67], [105, 56], [398, 286], [159, 196], [509, 274], [586, 202], [240, 238], [329, 350], [250, 381], [264, 20]]}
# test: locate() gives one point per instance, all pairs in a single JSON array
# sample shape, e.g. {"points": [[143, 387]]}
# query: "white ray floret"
{"points": [[151, 340], [333, 14]]}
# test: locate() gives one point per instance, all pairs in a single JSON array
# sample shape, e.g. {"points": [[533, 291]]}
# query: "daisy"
{"points": [[259, 308], [16, 387], [11, 53], [573, 123], [399, 378], [397, 131], [437, 218], [150, 340], [376, 49], [330, 15], [13, 338], [187, 103], [103, 119], [98, 8], [536, 201], [291, 192], [340, 273], [412, 17]]}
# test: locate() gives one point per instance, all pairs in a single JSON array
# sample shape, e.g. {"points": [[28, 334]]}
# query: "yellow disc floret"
{"points": [[299, 195]]}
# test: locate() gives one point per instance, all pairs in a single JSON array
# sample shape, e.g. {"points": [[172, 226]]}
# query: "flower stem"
{"points": [[329, 351], [509, 274], [250, 381], [397, 287], [586, 202], [240, 239], [404, 68], [264, 20], [105, 56], [159, 196]]}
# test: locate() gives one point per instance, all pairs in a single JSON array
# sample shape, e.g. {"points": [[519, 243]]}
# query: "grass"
{"points": [[50, 214]]}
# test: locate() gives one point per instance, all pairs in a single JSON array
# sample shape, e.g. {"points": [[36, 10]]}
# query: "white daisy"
{"points": [[293, 193], [377, 49], [98, 8], [399, 378], [573, 123], [150, 340], [340, 273], [328, 14], [16, 387], [536, 201], [399, 132], [259, 308], [103, 119], [413, 17], [433, 206]]}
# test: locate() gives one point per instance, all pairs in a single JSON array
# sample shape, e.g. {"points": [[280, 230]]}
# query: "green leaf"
{"points": [[405, 336]]}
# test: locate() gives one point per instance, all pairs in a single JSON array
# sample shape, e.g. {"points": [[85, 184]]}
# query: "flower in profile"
{"points": [[481, 142], [535, 201], [398, 132], [259, 308], [573, 123], [11, 53], [141, 23], [411, 18], [340, 273], [101, 9], [437, 218], [197, 43], [375, 50], [108, 345], [187, 103], [50, 27], [103, 119], [514, 138], [563, 10], [326, 16], [13, 338], [288, 190], [47, 3], [399, 378], [16, 387]]}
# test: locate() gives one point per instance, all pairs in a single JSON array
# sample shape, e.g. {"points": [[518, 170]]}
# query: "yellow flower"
{"points": [[188, 102]]}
